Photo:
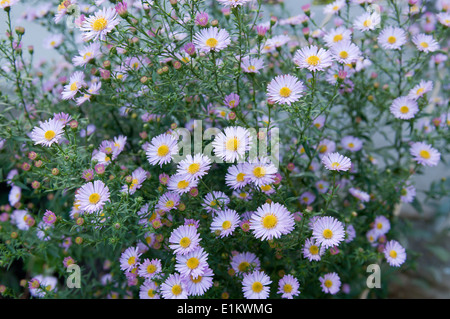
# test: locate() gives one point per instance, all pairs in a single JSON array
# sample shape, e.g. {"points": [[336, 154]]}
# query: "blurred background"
{"points": [[430, 221]]}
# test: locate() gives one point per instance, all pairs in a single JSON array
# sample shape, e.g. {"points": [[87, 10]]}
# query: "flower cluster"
{"points": [[198, 149]]}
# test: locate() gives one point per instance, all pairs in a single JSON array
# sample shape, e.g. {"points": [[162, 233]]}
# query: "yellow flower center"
{"points": [[259, 172], [151, 293], [393, 254], [338, 37], [351, 145], [99, 24], [269, 221], [327, 233], [193, 168], [404, 109], [367, 23], [313, 60], [182, 184], [266, 188], [287, 288], [425, 154], [49, 135], [185, 242], [379, 225], [211, 42], [323, 149], [176, 290], [196, 280], [343, 54], [226, 224], [94, 198], [257, 287], [169, 204], [243, 266], [163, 150], [335, 165], [131, 260], [285, 92], [420, 91], [192, 263], [74, 86], [328, 283], [424, 45], [392, 39], [232, 144], [314, 250], [151, 268], [251, 68], [87, 56], [240, 177]]}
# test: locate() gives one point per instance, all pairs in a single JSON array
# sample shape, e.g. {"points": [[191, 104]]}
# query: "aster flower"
{"points": [[21, 219], [180, 184], [285, 89], [149, 290], [368, 21], [372, 236], [129, 259], [47, 132], [345, 52], [64, 118], [313, 58], [351, 143], [359, 194], [336, 162], [149, 268], [420, 90], [193, 168], [271, 221], [92, 196], [444, 18], [212, 39], [53, 41], [235, 177], [62, 9], [138, 176], [330, 283], [161, 149], [252, 64], [425, 43], [233, 3], [307, 198], [328, 231], [255, 285], [351, 233], [46, 284], [392, 38], [87, 54], [49, 217], [404, 108], [198, 286], [260, 172], [334, 7], [232, 144], [337, 35], [184, 239], [425, 154], [381, 225], [98, 25], [215, 201], [288, 287], [76, 82], [312, 250], [394, 253], [168, 201], [407, 193], [244, 262], [225, 222], [101, 158], [322, 186], [174, 287], [193, 263]]}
